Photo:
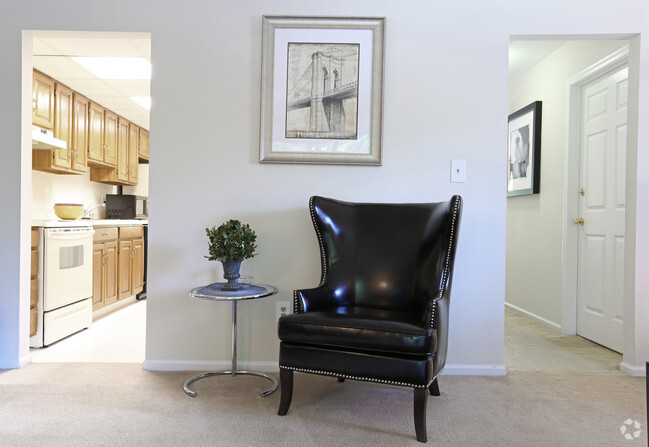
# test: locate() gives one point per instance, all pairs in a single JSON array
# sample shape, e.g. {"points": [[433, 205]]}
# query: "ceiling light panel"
{"points": [[116, 67], [88, 44], [142, 101]]}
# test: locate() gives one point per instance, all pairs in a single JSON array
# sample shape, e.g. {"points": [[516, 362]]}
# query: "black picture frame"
{"points": [[524, 151]]}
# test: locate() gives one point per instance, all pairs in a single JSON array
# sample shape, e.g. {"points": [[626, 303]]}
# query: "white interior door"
{"points": [[600, 315]]}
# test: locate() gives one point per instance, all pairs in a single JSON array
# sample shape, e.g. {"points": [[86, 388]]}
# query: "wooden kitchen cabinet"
{"points": [[118, 264], [42, 100], [133, 152], [95, 134], [63, 124], [80, 127], [131, 261], [138, 266], [111, 135], [70, 125], [104, 267], [33, 302], [125, 171], [143, 146], [103, 136]]}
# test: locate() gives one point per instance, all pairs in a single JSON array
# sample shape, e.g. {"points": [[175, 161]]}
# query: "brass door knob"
{"points": [[579, 221]]}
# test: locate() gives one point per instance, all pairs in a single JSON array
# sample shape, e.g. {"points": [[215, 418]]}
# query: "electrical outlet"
{"points": [[282, 308]]}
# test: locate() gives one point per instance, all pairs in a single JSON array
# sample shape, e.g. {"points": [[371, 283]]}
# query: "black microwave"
{"points": [[126, 206]]}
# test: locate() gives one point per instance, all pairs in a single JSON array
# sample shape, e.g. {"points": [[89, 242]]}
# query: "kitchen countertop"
{"points": [[56, 223]]}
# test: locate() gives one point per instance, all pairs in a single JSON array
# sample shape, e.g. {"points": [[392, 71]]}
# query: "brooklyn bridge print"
{"points": [[322, 91]]}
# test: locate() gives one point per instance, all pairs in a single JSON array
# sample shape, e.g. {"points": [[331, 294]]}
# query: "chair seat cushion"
{"points": [[359, 328]]}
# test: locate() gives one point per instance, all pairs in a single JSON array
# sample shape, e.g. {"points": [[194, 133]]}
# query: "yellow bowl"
{"points": [[68, 211]]}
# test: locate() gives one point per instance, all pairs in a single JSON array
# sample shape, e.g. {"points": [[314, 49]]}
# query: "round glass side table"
{"points": [[214, 292]]}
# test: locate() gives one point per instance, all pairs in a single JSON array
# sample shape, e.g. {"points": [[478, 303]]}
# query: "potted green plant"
{"points": [[231, 243]]}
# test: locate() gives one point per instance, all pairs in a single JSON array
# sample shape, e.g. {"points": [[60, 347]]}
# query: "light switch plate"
{"points": [[458, 171]]}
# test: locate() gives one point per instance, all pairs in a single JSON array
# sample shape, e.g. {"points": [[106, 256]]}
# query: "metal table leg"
{"points": [[234, 371]]}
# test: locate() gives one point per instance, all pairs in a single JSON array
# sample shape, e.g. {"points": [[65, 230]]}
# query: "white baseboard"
{"points": [[632, 370], [532, 316], [199, 365], [15, 363], [24, 360], [474, 370], [273, 367]]}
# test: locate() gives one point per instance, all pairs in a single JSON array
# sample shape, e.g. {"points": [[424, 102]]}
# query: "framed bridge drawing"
{"points": [[322, 90]]}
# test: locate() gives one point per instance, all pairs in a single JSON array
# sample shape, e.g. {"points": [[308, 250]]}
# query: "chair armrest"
{"points": [[322, 297]]}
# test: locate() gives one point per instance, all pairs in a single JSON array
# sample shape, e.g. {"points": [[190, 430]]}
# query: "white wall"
{"points": [[445, 97], [48, 189], [535, 222]]}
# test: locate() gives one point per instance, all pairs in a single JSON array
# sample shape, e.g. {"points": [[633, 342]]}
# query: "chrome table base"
{"points": [[270, 390], [234, 371]]}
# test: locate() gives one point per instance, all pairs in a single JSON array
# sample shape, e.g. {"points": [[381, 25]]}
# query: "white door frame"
{"points": [[570, 231]]}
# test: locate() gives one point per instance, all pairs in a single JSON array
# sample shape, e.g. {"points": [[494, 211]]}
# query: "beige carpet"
{"points": [[74, 404]]}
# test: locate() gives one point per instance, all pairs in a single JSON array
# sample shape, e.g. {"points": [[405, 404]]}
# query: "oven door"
{"points": [[67, 266]]}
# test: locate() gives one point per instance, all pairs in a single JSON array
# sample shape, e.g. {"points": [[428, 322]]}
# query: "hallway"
{"points": [[531, 346]]}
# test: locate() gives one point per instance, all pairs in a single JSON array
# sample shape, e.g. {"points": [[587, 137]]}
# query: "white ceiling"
{"points": [[524, 54], [52, 56]]}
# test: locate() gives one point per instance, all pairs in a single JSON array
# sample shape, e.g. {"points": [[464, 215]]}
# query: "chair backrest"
{"points": [[387, 256]]}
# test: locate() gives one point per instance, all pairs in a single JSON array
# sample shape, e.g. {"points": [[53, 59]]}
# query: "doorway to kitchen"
{"points": [[108, 71]]}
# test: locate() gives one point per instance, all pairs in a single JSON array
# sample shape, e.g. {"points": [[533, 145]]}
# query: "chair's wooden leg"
{"points": [[286, 382], [434, 388], [420, 399]]}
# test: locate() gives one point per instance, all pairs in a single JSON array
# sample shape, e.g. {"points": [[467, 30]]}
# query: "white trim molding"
{"points": [[632, 370], [474, 370], [273, 367], [545, 322], [571, 184]]}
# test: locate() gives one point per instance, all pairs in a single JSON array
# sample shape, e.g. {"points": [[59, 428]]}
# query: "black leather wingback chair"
{"points": [[380, 313]]}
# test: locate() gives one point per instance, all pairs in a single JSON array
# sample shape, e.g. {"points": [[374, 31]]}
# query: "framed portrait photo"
{"points": [[524, 151], [322, 90]]}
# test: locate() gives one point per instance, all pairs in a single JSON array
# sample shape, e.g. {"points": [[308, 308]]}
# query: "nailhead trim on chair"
{"points": [[433, 314], [345, 376], [295, 307], [448, 260], [323, 256]]}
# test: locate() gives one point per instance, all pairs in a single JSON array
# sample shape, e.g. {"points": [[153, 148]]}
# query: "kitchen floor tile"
{"points": [[118, 337]]}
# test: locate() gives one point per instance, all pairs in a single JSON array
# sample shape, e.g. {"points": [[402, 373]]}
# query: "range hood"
{"points": [[43, 139]]}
